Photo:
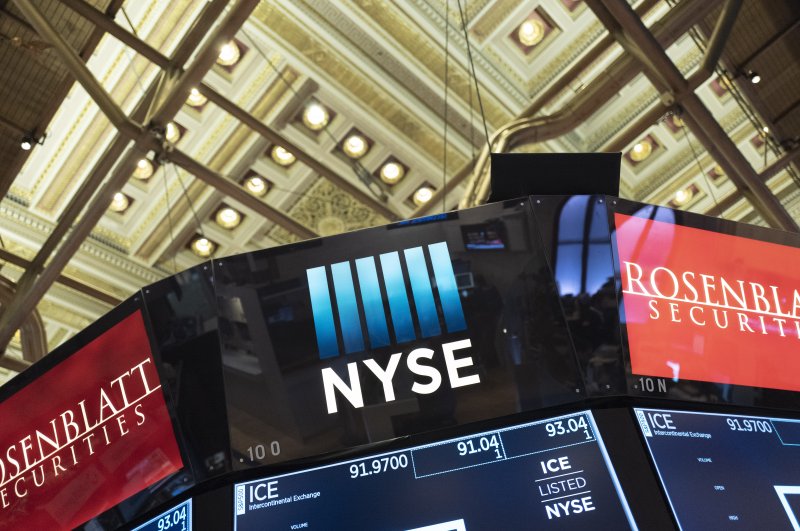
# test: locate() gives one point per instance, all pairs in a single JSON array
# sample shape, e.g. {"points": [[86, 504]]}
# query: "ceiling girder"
{"points": [[669, 80], [25, 300]]}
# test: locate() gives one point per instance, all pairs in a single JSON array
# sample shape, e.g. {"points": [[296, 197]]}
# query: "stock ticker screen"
{"points": [[548, 474], [177, 518], [726, 471]]}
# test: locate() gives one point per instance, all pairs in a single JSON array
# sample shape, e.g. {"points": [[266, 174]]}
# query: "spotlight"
{"points": [[316, 116], [26, 144], [754, 78]]}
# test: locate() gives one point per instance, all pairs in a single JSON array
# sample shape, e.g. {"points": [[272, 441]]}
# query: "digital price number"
{"points": [[571, 425], [176, 519], [488, 443], [378, 465], [751, 425]]}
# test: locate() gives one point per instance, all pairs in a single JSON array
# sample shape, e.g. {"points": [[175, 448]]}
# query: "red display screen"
{"points": [[701, 305], [87, 434]]}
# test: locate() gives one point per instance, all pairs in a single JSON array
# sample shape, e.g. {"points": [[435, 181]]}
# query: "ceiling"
{"points": [[378, 67]]}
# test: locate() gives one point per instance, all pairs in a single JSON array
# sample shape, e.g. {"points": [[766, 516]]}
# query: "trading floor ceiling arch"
{"points": [[212, 128]]}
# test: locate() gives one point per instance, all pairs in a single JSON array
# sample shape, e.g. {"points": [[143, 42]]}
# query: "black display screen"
{"points": [[178, 518], [548, 474], [724, 471]]}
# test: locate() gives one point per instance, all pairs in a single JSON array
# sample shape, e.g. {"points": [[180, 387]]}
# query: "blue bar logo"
{"points": [[367, 300]]}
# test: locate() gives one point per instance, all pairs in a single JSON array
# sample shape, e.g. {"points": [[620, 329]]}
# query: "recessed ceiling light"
{"points": [[203, 247], [256, 185], [144, 169], [683, 196], [641, 150], [392, 172], [355, 146], [228, 218], [316, 116], [196, 98], [531, 32], [173, 132], [229, 54], [282, 156], [422, 195], [120, 202]]}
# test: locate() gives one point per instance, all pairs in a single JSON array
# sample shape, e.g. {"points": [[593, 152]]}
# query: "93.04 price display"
{"points": [[570, 425], [179, 518]]}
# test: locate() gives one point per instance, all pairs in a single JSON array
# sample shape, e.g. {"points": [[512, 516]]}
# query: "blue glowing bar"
{"points": [[352, 335], [372, 302], [323, 312], [423, 295], [446, 285], [398, 298]]}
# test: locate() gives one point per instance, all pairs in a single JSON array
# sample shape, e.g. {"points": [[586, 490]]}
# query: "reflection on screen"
{"points": [[549, 474], [726, 471]]}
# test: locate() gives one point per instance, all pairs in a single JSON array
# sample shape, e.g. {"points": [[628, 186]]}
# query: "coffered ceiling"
{"points": [[379, 70]]}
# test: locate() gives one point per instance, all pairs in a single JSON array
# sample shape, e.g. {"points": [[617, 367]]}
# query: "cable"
{"points": [[188, 200], [446, 87], [700, 166], [169, 219], [474, 76]]}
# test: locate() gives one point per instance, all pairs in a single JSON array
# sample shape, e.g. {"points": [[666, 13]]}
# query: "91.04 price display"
{"points": [[378, 465]]}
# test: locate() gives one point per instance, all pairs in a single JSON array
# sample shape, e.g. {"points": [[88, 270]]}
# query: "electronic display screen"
{"points": [[390, 331], [548, 474], [724, 471], [178, 518]]}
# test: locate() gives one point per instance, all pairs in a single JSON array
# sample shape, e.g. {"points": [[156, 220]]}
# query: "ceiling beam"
{"points": [[668, 80], [29, 295], [96, 17]]}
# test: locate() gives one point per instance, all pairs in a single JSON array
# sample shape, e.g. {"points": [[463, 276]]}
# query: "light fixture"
{"points": [[228, 218], [120, 202], [229, 54], [256, 185], [754, 78], [144, 169], [765, 130], [355, 146], [392, 172], [26, 144], [531, 32], [282, 156], [196, 98], [173, 132], [641, 150], [683, 196], [678, 121], [316, 116], [203, 247], [422, 195]]}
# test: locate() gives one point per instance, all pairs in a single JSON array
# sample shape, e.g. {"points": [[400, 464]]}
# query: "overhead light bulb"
{"points": [[256, 185], [641, 150], [173, 132], [315, 116], [392, 172], [26, 144], [144, 169], [228, 218], [355, 146], [683, 196], [196, 98], [120, 202], [229, 54], [531, 32], [203, 247], [422, 195], [282, 156]]}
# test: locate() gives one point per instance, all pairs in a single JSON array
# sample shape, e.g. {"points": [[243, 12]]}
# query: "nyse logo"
{"points": [[370, 304]]}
